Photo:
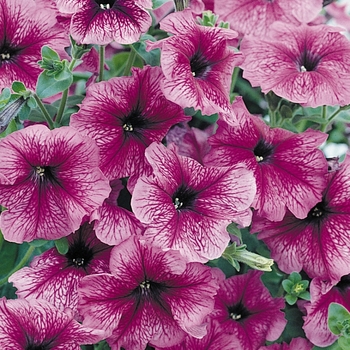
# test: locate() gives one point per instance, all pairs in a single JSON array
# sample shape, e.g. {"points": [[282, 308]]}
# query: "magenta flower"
{"points": [[247, 312], [316, 320], [310, 66], [256, 16], [124, 115], [36, 324], [115, 223], [101, 22], [187, 206], [197, 63], [25, 27], [55, 277], [290, 171], [151, 296], [320, 243], [295, 344], [53, 181]]}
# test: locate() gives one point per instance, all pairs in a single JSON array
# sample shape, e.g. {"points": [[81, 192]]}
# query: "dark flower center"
{"points": [[199, 65], [79, 254], [318, 212], [45, 174], [262, 151], [134, 122], [238, 312], [37, 347], [184, 198], [7, 53], [150, 290], [105, 5], [308, 61]]}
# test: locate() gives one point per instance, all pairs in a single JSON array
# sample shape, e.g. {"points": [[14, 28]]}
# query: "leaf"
{"points": [[8, 256], [47, 52], [5, 97], [18, 87], [38, 242], [344, 343], [291, 299], [48, 86], [62, 245], [234, 230], [337, 314], [152, 57], [287, 285]]}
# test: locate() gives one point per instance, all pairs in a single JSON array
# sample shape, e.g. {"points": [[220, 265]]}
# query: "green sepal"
{"points": [[62, 245], [50, 54], [338, 317], [38, 242], [291, 299]]}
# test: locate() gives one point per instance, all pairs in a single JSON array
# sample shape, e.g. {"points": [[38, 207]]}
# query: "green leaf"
{"points": [[344, 343], [8, 256], [62, 245], [295, 277], [5, 97], [48, 53], [18, 87], [234, 230], [334, 346], [337, 314], [158, 3], [38, 242], [48, 86], [150, 57], [291, 299], [304, 295], [10, 129], [287, 285]]}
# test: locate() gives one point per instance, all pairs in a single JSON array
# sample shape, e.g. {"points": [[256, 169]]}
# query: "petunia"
{"points": [[114, 222], [197, 63], [305, 64], [26, 26], [246, 311], [36, 324], [295, 344], [101, 22], [256, 16], [55, 277], [151, 295], [290, 171], [320, 243], [187, 206], [124, 115], [316, 321], [52, 182]]}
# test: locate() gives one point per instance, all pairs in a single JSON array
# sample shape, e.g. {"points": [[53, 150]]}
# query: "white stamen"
{"points": [[177, 203], [259, 158], [235, 316], [5, 56], [105, 6], [303, 69], [40, 171], [128, 127]]}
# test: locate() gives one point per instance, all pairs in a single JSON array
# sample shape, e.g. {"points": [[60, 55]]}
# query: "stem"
{"points": [[324, 112], [102, 62], [331, 118], [130, 61], [24, 260], [44, 111], [64, 97], [272, 118], [234, 79], [1, 240]]}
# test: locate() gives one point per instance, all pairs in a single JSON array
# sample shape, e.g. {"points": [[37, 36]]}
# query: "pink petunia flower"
{"points": [[55, 277], [151, 296], [101, 22], [197, 63], [247, 312], [124, 115], [26, 26], [53, 181], [256, 16], [316, 321], [309, 65], [116, 223], [320, 243], [290, 171], [36, 324], [187, 206]]}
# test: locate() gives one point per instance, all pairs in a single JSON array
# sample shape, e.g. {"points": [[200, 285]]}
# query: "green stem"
{"points": [[22, 263], [102, 62], [44, 111], [64, 97], [324, 112], [331, 118], [130, 61], [234, 79], [272, 118], [1, 240]]}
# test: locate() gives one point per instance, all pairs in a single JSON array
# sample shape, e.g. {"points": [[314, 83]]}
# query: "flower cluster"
{"points": [[163, 174]]}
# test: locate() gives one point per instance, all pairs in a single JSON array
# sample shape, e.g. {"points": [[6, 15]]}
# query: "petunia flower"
{"points": [[52, 182], [187, 206], [36, 324], [197, 63], [124, 115], [320, 243], [255, 17], [55, 277], [115, 223], [101, 22], [26, 26], [316, 321], [295, 344], [290, 171], [151, 295], [305, 64], [247, 312]]}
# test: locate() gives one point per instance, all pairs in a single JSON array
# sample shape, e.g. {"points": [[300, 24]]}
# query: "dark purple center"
{"points": [[263, 151], [199, 65], [31, 346], [105, 4], [318, 212], [184, 198], [134, 123], [238, 312], [7, 53], [308, 61], [79, 254], [45, 175]]}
